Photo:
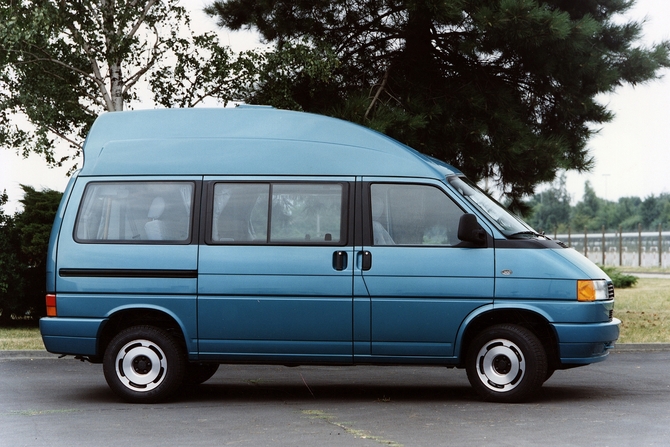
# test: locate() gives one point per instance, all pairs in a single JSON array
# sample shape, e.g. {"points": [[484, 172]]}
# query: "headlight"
{"points": [[589, 290]]}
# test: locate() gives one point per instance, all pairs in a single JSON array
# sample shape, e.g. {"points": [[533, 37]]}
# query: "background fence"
{"points": [[629, 249]]}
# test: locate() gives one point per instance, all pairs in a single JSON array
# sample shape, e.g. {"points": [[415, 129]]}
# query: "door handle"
{"points": [[340, 260], [366, 262]]}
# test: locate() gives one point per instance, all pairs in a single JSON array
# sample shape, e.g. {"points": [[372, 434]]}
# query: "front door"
{"points": [[275, 272], [421, 280]]}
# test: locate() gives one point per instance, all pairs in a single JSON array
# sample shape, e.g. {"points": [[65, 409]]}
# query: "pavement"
{"points": [[618, 403]]}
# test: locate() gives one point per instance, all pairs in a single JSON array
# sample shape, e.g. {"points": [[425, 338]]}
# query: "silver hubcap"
{"points": [[141, 365], [500, 365]]}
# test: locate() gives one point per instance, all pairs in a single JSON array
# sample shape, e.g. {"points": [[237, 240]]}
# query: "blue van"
{"points": [[197, 237]]}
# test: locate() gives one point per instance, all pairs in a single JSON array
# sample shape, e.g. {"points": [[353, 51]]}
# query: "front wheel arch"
{"points": [[532, 321]]}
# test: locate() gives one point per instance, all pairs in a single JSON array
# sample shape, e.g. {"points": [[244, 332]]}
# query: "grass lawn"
{"points": [[644, 311], [20, 339]]}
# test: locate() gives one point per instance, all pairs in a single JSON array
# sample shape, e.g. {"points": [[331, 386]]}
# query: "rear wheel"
{"points": [[144, 364], [506, 363]]}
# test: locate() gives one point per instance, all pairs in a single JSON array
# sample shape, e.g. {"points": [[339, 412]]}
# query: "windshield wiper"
{"points": [[521, 234]]}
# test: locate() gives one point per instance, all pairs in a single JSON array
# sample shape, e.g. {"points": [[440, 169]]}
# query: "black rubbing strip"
{"points": [[127, 273]]}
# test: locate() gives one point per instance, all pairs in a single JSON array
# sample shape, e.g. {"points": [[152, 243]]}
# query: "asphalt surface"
{"points": [[624, 401]]}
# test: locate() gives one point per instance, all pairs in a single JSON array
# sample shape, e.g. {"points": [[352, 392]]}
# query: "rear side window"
{"points": [[135, 212], [278, 213]]}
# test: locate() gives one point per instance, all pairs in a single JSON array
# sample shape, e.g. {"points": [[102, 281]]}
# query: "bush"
{"points": [[620, 280], [24, 239]]}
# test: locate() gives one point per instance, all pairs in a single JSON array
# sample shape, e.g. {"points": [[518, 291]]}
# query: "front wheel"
{"points": [[506, 363], [144, 364]]}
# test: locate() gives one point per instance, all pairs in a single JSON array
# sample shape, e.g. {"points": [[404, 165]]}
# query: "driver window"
{"points": [[410, 214]]}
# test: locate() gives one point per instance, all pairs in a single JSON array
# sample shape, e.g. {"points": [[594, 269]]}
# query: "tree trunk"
{"points": [[116, 87], [112, 42], [416, 63]]}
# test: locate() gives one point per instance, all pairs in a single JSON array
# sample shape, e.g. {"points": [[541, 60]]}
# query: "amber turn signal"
{"points": [[590, 290]]}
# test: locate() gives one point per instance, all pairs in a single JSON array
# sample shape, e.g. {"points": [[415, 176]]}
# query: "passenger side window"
{"points": [[410, 214], [135, 212], [278, 213], [234, 204]]}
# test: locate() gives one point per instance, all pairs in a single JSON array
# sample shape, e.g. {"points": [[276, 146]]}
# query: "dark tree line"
{"points": [[551, 211], [24, 238]]}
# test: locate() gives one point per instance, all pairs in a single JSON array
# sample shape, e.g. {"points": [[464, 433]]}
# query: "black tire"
{"points": [[197, 373], [550, 372], [144, 364], [506, 363]]}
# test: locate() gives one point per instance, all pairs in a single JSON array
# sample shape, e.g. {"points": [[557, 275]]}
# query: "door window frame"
{"points": [[367, 215]]}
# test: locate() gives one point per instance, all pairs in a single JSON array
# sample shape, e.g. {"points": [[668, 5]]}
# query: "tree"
{"points": [[24, 240], [584, 213], [34, 227], [503, 89], [12, 281], [627, 213], [551, 208], [294, 77], [63, 62], [35, 221]]}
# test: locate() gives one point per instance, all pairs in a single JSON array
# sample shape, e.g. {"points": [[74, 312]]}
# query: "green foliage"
{"points": [[551, 208], [550, 211], [504, 90], [24, 239], [64, 62], [294, 77], [620, 280], [35, 222], [12, 281]]}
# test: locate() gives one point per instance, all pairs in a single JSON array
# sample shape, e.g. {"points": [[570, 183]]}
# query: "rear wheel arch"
{"points": [[127, 318]]}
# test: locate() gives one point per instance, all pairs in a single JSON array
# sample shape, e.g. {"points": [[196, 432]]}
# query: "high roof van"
{"points": [[192, 238]]}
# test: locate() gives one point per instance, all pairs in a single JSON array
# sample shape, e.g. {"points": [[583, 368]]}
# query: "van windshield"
{"points": [[505, 221]]}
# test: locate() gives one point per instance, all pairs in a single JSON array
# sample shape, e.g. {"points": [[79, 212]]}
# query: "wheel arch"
{"points": [[129, 317], [529, 319]]}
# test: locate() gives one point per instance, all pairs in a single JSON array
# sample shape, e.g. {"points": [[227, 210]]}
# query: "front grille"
{"points": [[611, 314], [610, 291]]}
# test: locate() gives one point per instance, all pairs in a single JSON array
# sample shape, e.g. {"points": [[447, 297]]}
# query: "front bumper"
{"points": [[581, 344]]}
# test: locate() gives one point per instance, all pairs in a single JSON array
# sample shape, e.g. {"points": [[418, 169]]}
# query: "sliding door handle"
{"points": [[340, 260], [366, 262]]}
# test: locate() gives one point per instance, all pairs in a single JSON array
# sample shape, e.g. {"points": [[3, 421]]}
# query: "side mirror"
{"points": [[469, 230]]}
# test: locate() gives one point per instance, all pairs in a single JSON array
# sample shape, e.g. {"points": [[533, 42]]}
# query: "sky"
{"points": [[632, 152]]}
